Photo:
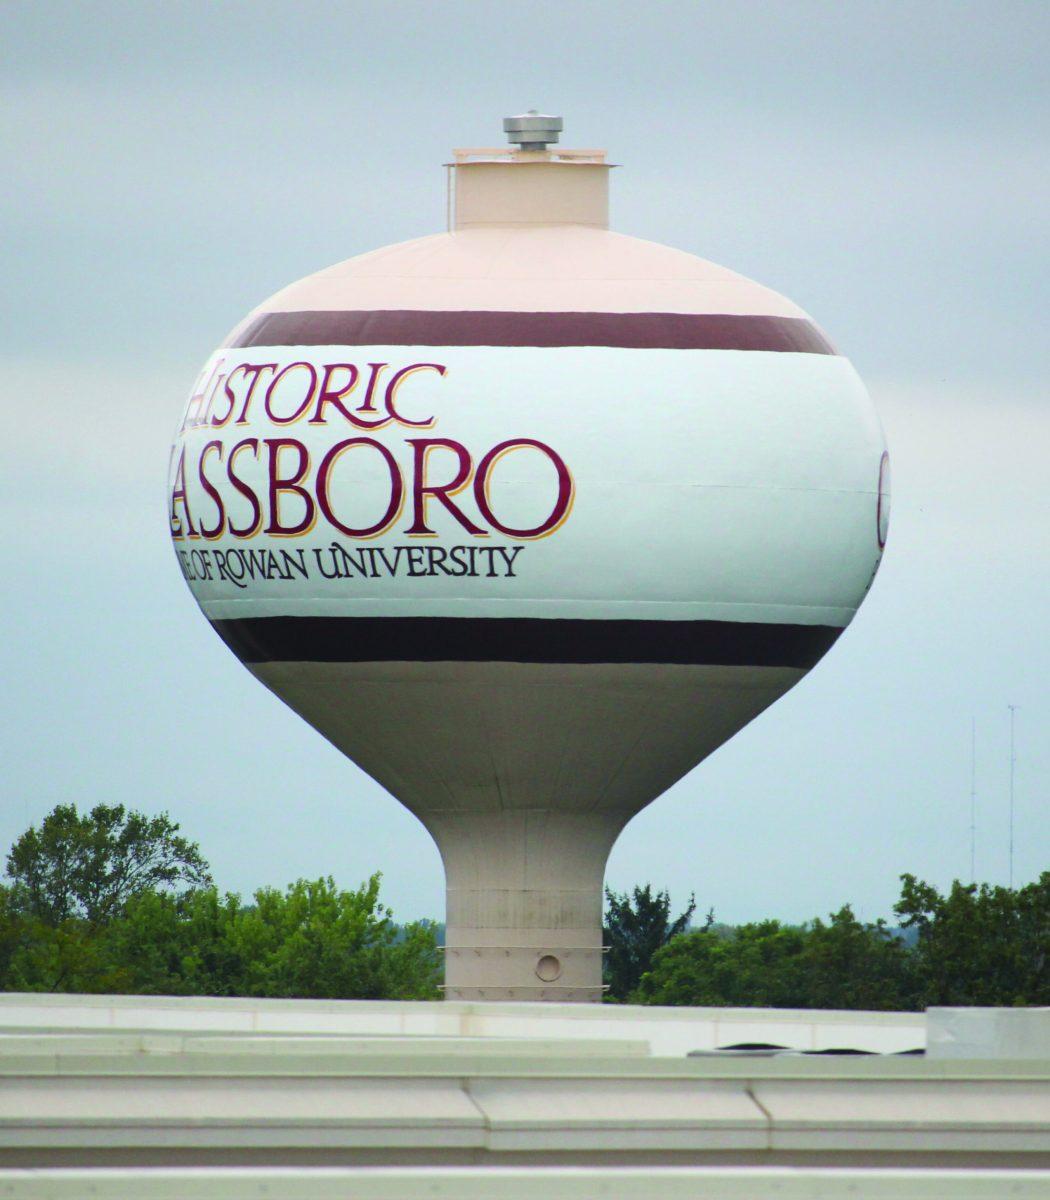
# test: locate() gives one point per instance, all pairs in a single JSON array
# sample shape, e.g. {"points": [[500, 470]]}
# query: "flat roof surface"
{"points": [[170, 1083]]}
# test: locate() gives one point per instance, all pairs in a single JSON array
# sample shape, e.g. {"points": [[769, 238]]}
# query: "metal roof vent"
{"points": [[532, 130]]}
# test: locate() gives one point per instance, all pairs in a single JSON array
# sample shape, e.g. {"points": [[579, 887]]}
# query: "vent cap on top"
{"points": [[532, 130]]}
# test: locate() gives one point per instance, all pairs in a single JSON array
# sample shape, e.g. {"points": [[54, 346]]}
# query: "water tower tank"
{"points": [[528, 518]]}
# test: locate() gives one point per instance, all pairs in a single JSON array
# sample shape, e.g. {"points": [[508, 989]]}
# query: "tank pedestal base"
{"points": [[524, 903], [549, 972]]}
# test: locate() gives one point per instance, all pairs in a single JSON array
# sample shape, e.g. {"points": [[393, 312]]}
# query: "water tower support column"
{"points": [[524, 902]]}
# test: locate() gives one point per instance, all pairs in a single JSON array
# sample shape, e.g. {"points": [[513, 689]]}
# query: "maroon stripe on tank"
{"points": [[431, 327]]}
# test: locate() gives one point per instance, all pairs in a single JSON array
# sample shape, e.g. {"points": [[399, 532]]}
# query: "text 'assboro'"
{"points": [[239, 469]]}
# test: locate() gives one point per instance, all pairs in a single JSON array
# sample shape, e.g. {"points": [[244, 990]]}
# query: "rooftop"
{"points": [[164, 1084]]}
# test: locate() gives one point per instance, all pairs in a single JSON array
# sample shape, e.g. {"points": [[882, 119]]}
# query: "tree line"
{"points": [[977, 944], [115, 901]]}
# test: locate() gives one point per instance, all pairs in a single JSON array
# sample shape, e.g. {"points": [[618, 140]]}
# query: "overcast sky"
{"points": [[167, 166]]}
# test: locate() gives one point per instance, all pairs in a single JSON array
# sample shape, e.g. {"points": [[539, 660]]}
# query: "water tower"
{"points": [[528, 518]]}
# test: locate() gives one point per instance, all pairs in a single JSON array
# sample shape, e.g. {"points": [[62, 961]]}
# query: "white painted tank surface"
{"points": [[528, 518]]}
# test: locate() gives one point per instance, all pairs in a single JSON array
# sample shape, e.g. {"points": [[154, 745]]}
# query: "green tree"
{"points": [[755, 964], [980, 944], [39, 957], [88, 866], [315, 940], [852, 965], [12, 932], [177, 945], [310, 940], [636, 927], [842, 964]]}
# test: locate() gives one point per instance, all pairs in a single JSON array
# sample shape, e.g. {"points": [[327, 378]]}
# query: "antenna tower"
{"points": [[1013, 761], [973, 799]]}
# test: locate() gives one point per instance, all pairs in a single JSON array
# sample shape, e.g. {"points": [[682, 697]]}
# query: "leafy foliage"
{"points": [[636, 926], [89, 865], [849, 964], [310, 940], [843, 964], [94, 907], [315, 940], [980, 944]]}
